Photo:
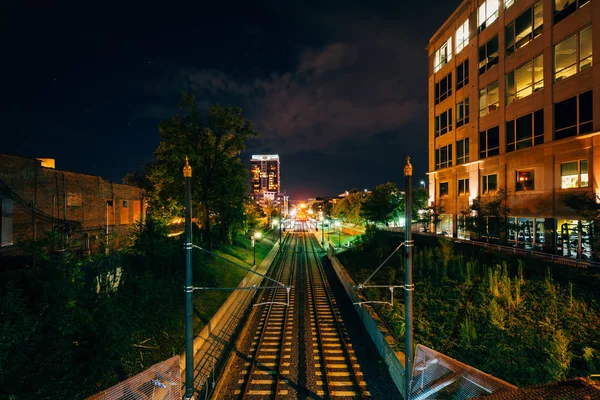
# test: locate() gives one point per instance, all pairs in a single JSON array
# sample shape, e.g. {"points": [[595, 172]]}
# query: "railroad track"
{"points": [[335, 365], [267, 369], [296, 351]]}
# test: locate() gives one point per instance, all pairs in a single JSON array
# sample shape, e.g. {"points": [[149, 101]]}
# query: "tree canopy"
{"points": [[213, 144], [383, 205]]}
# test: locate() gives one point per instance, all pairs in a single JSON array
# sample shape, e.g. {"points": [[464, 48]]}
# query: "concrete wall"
{"points": [[377, 330]]}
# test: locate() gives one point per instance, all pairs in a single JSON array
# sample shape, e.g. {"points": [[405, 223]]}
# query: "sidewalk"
{"points": [[210, 344]]}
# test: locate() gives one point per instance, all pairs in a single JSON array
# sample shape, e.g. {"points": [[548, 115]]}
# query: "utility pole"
{"points": [[189, 329], [280, 220], [408, 283]]}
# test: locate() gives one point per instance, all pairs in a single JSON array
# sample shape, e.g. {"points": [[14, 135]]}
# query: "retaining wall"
{"points": [[377, 330]]}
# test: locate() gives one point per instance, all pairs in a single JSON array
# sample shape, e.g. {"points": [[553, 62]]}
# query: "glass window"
{"points": [[462, 74], [508, 3], [462, 113], [574, 174], [442, 55], [489, 142], [525, 131], [564, 8], [125, 203], [443, 123], [524, 28], [462, 151], [463, 187], [443, 189], [525, 181], [489, 99], [443, 157], [489, 184], [573, 54], [488, 55], [488, 12], [525, 80], [462, 36], [574, 116], [443, 88]]}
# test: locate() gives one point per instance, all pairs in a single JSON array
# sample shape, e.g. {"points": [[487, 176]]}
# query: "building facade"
{"points": [[265, 173], [514, 104], [36, 199]]}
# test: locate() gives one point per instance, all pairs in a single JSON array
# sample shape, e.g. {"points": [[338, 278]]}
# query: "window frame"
{"points": [[439, 96], [485, 152], [578, 4], [439, 162], [464, 106], [485, 184], [438, 129], [579, 174], [513, 143], [489, 17], [463, 33], [463, 146], [519, 174], [485, 93], [446, 192], [464, 66], [512, 43], [489, 60], [439, 59], [465, 190], [589, 124], [579, 65], [512, 91]]}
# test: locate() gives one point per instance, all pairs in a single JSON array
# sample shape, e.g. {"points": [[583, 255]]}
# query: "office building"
{"points": [[512, 88], [266, 173]]}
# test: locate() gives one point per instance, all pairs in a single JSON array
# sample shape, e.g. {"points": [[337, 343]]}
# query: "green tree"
{"points": [[383, 205], [213, 144], [587, 208], [489, 219], [349, 207]]}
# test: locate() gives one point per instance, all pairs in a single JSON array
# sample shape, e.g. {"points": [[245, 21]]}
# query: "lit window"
{"points": [[525, 80], [525, 131], [574, 174], [463, 187], [574, 116], [462, 36], [489, 184], [488, 13], [443, 123], [573, 54], [488, 55], [508, 3], [443, 189], [462, 74], [443, 157], [564, 8], [462, 113], [525, 181], [489, 142], [524, 28], [489, 100], [462, 151], [442, 56], [443, 88]]}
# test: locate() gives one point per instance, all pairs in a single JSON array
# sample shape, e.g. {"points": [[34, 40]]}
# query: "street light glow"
{"points": [[257, 235]]}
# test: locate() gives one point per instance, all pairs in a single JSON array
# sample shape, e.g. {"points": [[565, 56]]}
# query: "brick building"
{"points": [[513, 104], [36, 199]]}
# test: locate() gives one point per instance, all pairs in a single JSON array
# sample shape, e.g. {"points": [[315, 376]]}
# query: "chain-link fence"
{"points": [[436, 376], [161, 381]]}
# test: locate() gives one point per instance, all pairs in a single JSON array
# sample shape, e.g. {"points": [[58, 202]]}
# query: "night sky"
{"points": [[338, 90]]}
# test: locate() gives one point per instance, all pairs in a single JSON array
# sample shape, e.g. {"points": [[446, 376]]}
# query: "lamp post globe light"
{"points": [[255, 237], [322, 230]]}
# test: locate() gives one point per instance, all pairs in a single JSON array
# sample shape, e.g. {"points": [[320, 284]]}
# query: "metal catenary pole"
{"points": [[189, 330], [408, 285]]}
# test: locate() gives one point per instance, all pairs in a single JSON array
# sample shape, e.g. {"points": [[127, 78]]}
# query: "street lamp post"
{"points": [[255, 237], [189, 330], [339, 225], [322, 231], [408, 284]]}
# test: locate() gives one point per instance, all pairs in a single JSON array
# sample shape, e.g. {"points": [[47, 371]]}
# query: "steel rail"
{"points": [[345, 346], [279, 272]]}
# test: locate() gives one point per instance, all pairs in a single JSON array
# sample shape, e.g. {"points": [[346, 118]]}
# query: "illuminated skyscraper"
{"points": [[266, 175]]}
